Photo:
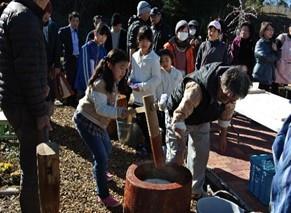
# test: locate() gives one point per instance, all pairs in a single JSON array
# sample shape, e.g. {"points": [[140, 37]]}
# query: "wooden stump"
{"points": [[48, 177], [143, 196]]}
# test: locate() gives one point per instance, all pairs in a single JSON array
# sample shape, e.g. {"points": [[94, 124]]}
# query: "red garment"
{"points": [[190, 55]]}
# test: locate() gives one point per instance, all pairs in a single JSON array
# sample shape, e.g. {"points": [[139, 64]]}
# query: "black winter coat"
{"points": [[23, 62]]}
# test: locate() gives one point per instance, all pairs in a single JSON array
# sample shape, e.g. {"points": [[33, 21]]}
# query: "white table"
{"points": [[265, 108]]}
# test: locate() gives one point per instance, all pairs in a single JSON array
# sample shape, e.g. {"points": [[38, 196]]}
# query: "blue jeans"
{"points": [[100, 146]]}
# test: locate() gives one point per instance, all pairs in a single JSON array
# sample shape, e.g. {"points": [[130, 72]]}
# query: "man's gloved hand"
{"points": [[180, 129], [179, 133], [163, 102]]}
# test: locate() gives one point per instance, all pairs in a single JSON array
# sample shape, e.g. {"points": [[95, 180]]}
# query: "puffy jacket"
{"points": [[190, 55], [132, 33], [212, 51], [23, 62], [161, 34]]}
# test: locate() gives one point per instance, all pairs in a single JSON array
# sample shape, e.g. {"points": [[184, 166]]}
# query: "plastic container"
{"points": [[261, 175], [216, 205]]}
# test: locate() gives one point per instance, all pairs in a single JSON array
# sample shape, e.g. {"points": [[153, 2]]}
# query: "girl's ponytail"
{"points": [[98, 71], [102, 70]]}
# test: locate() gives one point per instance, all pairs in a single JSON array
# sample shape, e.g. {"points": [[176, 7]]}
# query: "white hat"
{"points": [[215, 24], [143, 7]]}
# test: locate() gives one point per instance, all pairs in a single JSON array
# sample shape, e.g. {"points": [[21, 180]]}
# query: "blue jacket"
{"points": [[281, 185], [264, 70], [89, 51]]}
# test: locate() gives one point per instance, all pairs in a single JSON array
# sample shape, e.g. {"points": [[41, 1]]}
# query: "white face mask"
{"points": [[182, 36], [192, 31]]}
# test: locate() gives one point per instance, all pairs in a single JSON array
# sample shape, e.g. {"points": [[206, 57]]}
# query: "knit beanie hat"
{"points": [[180, 24], [143, 7], [193, 23]]}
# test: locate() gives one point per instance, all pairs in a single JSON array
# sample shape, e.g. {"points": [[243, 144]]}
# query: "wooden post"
{"points": [[154, 133], [48, 177]]}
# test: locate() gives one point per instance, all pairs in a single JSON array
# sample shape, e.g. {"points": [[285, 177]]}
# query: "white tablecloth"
{"points": [[265, 108]]}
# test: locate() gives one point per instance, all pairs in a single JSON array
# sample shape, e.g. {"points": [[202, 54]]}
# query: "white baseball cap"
{"points": [[215, 24]]}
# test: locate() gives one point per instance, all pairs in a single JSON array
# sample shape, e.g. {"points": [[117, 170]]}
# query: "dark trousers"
{"points": [[24, 125], [162, 124], [142, 123], [71, 71]]}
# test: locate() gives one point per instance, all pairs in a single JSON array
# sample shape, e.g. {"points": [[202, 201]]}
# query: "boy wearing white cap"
{"points": [[212, 50]]}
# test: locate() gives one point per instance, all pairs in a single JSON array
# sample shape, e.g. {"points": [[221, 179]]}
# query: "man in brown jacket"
{"points": [[23, 66]]}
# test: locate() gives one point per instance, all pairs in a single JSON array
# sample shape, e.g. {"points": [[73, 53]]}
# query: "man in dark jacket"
{"points": [[160, 31], [143, 15], [70, 49], [23, 65]]}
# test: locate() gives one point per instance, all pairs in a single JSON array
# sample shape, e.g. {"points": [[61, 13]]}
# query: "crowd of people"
{"points": [[194, 82]]}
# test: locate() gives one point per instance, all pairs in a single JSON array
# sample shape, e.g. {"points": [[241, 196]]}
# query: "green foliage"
{"points": [[203, 11], [197, 9]]}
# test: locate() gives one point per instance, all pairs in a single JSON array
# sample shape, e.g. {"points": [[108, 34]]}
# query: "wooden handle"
{"points": [[153, 126], [121, 101], [48, 176]]}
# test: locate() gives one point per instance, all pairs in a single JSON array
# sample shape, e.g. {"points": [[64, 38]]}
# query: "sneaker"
{"points": [[109, 176], [109, 201], [58, 103]]}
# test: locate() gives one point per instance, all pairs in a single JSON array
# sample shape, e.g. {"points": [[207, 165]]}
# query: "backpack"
{"points": [[131, 19]]}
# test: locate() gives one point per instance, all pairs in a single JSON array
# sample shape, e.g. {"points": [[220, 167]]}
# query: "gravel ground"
{"points": [[77, 185]]}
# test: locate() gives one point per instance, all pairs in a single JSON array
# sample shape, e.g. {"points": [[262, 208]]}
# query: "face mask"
{"points": [[182, 36], [192, 31]]}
